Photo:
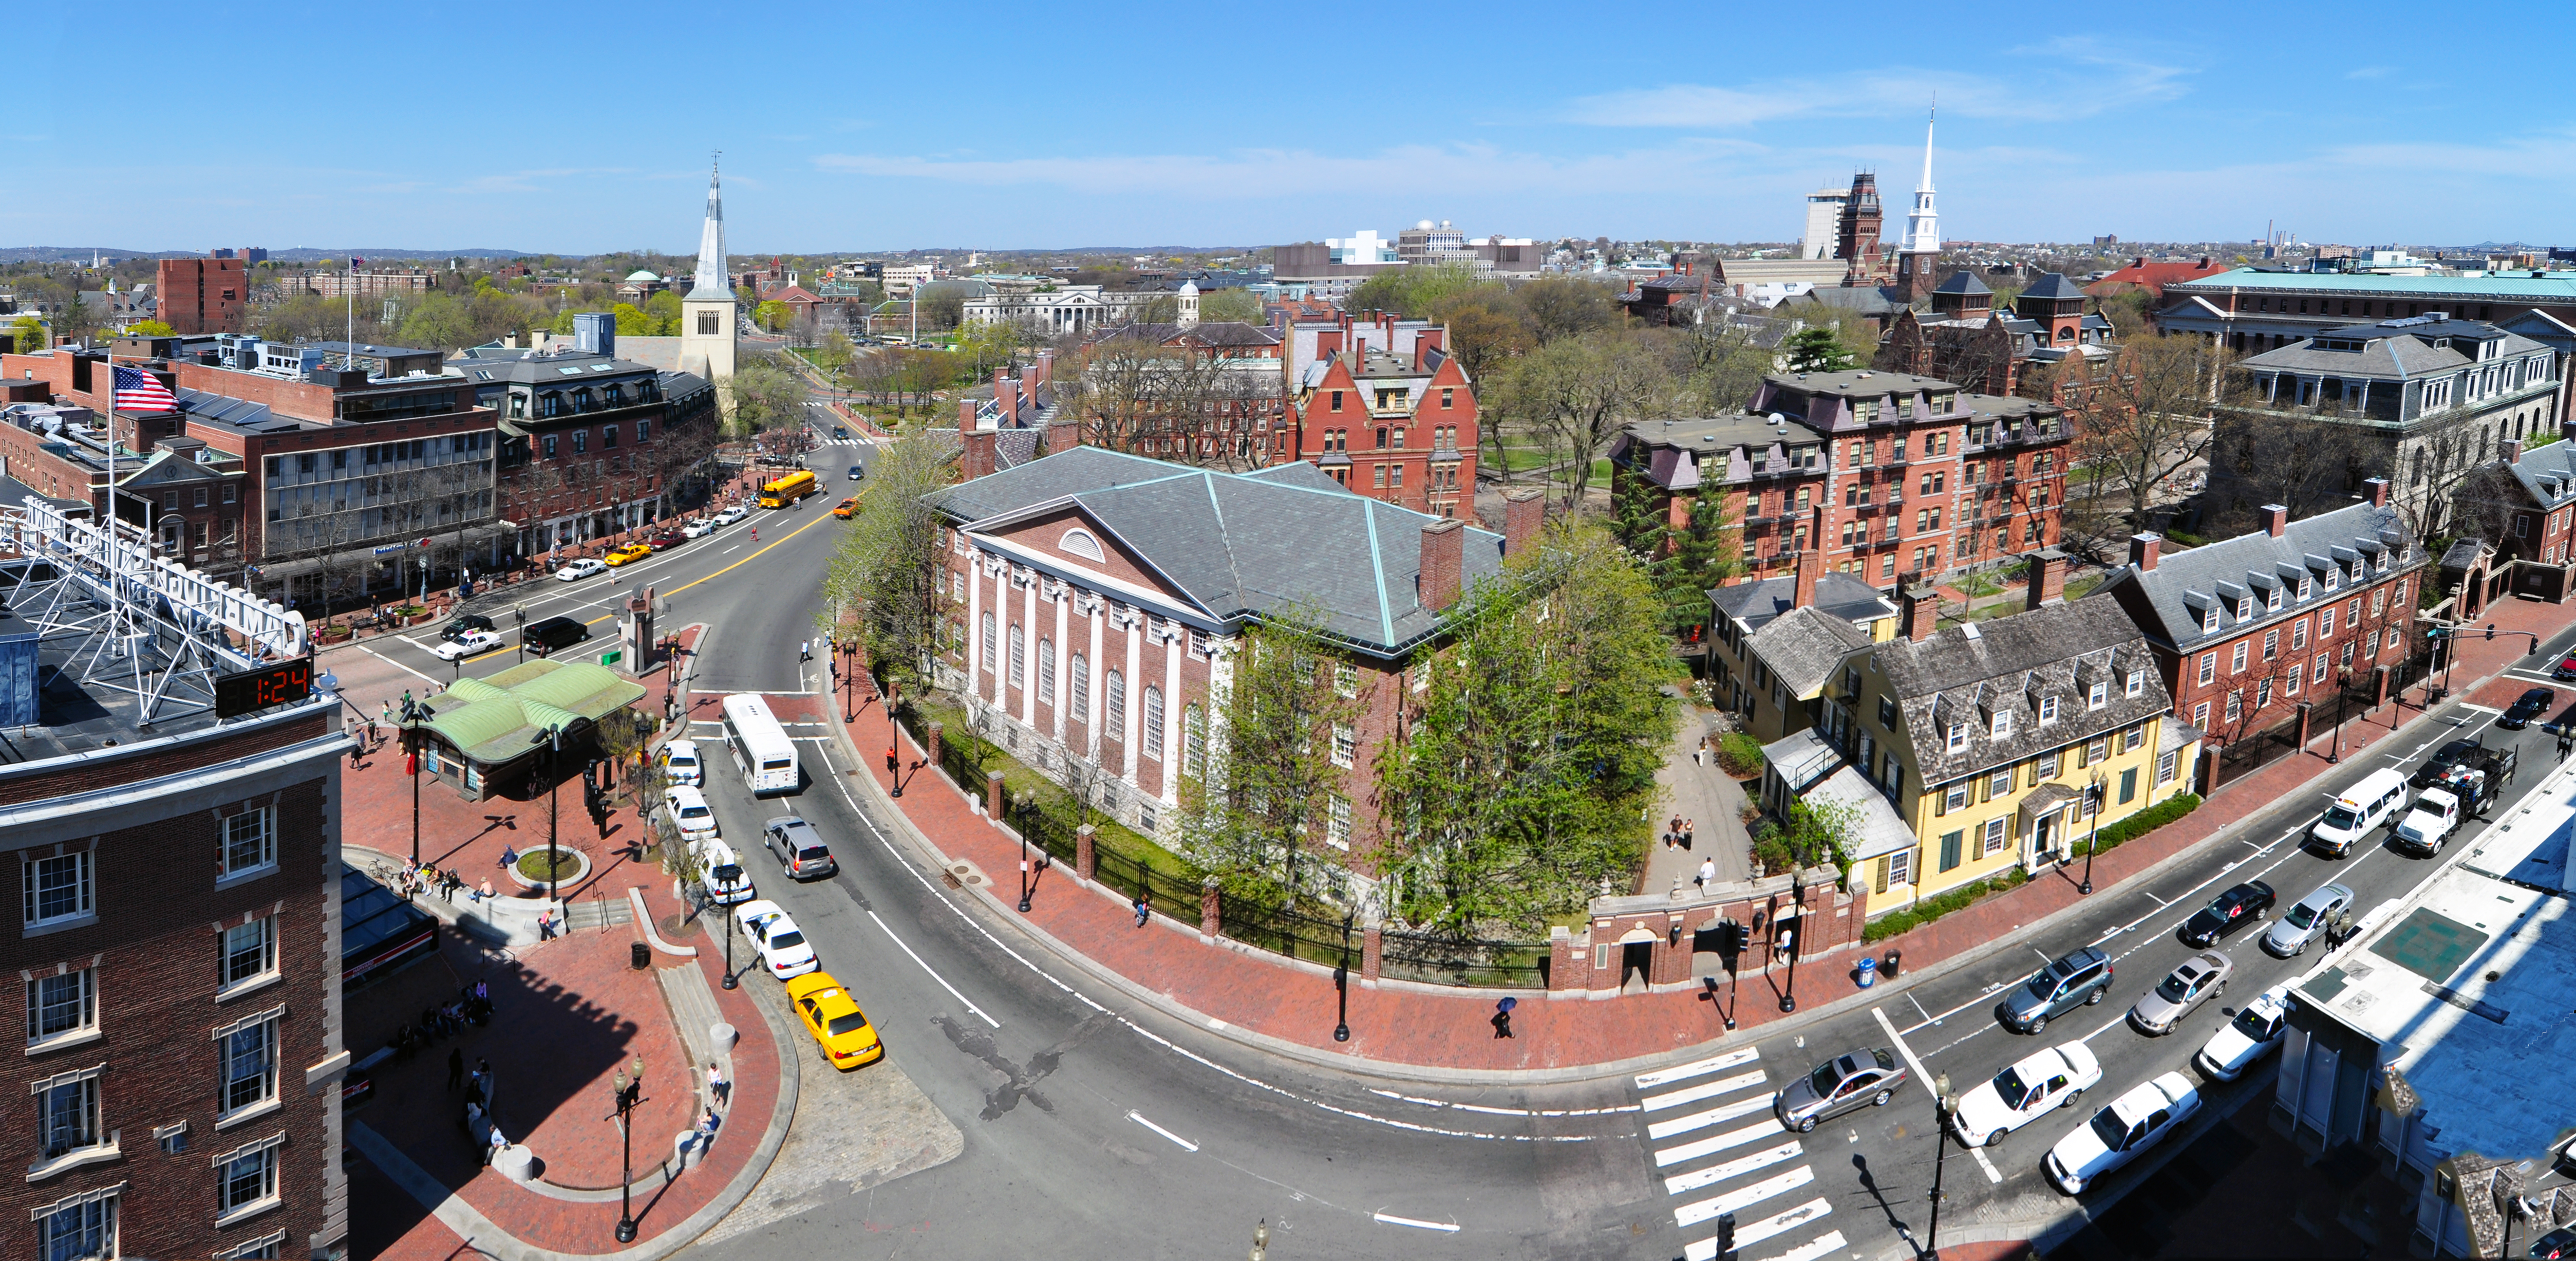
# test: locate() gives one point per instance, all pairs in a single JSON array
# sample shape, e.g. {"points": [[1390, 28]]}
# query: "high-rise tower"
{"points": [[708, 322], [1921, 251]]}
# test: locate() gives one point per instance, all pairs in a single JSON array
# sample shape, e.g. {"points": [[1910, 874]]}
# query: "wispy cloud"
{"points": [[1266, 173], [2068, 78]]}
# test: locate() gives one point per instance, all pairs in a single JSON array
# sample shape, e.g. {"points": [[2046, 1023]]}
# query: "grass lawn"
{"points": [[1108, 834]]}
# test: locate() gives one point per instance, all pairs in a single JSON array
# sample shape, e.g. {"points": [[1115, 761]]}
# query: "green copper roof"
{"points": [[2556, 286], [499, 718]]}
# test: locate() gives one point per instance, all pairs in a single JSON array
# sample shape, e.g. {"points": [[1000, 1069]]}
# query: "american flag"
{"points": [[137, 390]]}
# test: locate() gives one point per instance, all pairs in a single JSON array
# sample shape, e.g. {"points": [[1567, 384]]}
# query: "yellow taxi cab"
{"points": [[630, 552], [846, 508], [836, 1022]]}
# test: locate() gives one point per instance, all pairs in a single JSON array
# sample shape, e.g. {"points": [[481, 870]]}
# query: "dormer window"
{"points": [[2003, 724], [1958, 736], [2272, 599], [2303, 586], [2099, 696], [2137, 684], [2047, 710], [2245, 608], [2334, 578]]}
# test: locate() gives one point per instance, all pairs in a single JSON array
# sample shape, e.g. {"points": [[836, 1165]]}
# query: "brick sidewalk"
{"points": [[570, 1013], [1261, 993]]}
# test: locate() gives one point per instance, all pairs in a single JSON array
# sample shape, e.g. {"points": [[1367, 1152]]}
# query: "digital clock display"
{"points": [[248, 691]]}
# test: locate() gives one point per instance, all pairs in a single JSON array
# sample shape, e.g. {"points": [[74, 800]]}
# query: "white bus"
{"points": [[760, 746]]}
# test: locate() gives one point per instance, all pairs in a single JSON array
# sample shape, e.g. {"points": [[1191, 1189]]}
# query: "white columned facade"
{"points": [[1172, 640], [974, 623], [1063, 659], [1091, 710], [1134, 701], [1028, 652]]}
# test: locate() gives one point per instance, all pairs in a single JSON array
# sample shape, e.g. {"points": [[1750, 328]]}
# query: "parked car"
{"points": [[553, 634], [726, 882], [846, 508], [2078, 980], [799, 848], [834, 1020], [699, 528], [782, 945], [2013, 1098], [464, 622], [2194, 981], [2226, 913], [465, 645], [680, 764], [2288, 938], [2123, 1128], [2255, 1033], [2556, 1244], [666, 538], [1864, 1078], [690, 813], [2533, 704], [732, 514], [630, 553], [577, 570]]}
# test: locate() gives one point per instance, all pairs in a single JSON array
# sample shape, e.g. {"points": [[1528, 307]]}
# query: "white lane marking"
{"points": [[1918, 1008], [730, 550], [2160, 902], [1697, 1148], [1737, 1167], [934, 974], [1505, 1112], [1702, 1120], [2116, 1022], [1831, 1242], [1992, 1174], [1678, 1072], [1741, 1198], [1415, 1222], [1704, 1090], [395, 664], [1167, 1044], [1747, 1236], [1185, 1144]]}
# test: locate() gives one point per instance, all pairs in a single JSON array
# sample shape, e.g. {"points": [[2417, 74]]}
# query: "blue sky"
{"points": [[579, 128]]}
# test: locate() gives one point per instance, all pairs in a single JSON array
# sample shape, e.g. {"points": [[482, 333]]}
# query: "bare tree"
{"points": [[1134, 393], [2303, 464], [1579, 391], [2148, 419]]}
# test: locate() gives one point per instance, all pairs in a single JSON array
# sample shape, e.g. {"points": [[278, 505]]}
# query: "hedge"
{"points": [[1929, 909], [1739, 755]]}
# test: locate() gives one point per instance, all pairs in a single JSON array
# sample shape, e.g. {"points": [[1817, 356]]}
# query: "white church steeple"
{"points": [[711, 281], [709, 321], [1923, 225]]}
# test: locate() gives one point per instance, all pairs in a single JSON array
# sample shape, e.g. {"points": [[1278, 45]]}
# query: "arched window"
{"points": [[1081, 688], [1116, 686], [992, 647], [1046, 671], [1153, 722], [1019, 657], [1194, 740], [1080, 543]]}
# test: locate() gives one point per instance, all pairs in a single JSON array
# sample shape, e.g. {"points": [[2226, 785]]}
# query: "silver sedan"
{"points": [[2201, 978], [2290, 935]]}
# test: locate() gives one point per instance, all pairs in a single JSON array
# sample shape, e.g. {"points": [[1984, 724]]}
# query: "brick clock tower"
{"points": [[1857, 241], [1921, 253]]}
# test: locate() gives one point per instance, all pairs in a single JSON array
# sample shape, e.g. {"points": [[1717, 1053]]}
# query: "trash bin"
{"points": [[1868, 971], [1893, 958], [639, 956]]}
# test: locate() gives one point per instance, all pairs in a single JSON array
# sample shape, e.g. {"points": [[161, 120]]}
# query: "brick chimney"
{"points": [[1524, 511], [2513, 451], [1920, 606], [2378, 491], [1444, 546], [2143, 549], [2047, 577], [1063, 433], [1044, 371], [1002, 395], [2276, 518], [965, 415], [1811, 565], [979, 459]]}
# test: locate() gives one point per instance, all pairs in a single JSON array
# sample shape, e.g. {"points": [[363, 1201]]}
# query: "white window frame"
{"points": [[1346, 679], [227, 1111], [230, 862], [86, 982], [2100, 695], [84, 865], [2200, 715], [2047, 710], [1900, 867], [100, 1204], [2003, 724], [2236, 659], [1080, 701], [1346, 745], [271, 1244], [1995, 838], [1958, 736], [83, 1085], [229, 985], [2208, 667], [1152, 736], [1337, 821], [1046, 670], [2137, 683], [265, 1152]]}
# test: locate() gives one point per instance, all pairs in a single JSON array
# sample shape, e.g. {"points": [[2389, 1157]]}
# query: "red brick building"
{"points": [[201, 295], [1382, 409], [2250, 631], [1098, 597]]}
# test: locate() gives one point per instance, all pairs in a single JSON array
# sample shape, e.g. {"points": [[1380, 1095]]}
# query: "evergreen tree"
{"points": [[1817, 350], [1704, 554]]}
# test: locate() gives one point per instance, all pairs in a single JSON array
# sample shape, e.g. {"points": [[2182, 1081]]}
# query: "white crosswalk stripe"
{"points": [[1755, 1168]]}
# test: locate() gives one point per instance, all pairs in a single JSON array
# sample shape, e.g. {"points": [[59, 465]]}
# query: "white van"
{"points": [[2375, 800], [689, 811], [680, 764]]}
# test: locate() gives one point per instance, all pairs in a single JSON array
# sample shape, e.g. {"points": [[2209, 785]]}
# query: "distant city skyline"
{"points": [[1684, 123]]}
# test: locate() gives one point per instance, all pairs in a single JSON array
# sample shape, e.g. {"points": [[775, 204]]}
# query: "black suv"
{"points": [[463, 622], [2078, 980], [2226, 913], [2442, 761], [543, 638]]}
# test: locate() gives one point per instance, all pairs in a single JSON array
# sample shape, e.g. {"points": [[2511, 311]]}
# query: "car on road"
{"points": [[2078, 980], [2443, 760], [465, 645], [2533, 704], [857, 472], [2288, 938], [2566, 667], [2378, 798], [846, 508], [630, 553], [2226, 913], [840, 431], [834, 1020], [575, 571], [2023, 1093], [2556, 1244], [2255, 1033], [799, 848], [690, 814], [680, 764], [464, 622], [665, 539], [699, 528], [2194, 981], [732, 514], [2123, 1128], [773, 932], [553, 634], [726, 882], [1864, 1078]]}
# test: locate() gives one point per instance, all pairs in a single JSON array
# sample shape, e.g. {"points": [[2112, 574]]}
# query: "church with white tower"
{"points": [[709, 323], [1920, 253]]}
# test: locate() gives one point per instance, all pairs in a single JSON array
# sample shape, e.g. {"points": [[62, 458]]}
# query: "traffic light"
{"points": [[1730, 943]]}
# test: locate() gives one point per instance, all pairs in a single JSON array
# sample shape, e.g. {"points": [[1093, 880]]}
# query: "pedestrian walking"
{"points": [[1144, 911], [456, 1069], [492, 1150], [474, 1080], [717, 1087], [1502, 1021], [546, 924], [804, 651], [1690, 830], [1699, 756], [2565, 745], [1707, 873]]}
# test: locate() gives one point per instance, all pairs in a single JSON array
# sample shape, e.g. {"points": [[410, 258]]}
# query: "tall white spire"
{"points": [[1923, 225], [710, 281]]}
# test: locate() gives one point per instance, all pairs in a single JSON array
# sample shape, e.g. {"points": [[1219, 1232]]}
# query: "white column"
{"points": [[974, 624], [1029, 654], [1135, 702], [1063, 658], [1172, 715], [1091, 703]]}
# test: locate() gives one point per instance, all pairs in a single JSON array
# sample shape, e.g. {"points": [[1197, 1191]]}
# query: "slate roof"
{"points": [[1865, 299], [1966, 675], [1962, 282], [1805, 646], [2053, 285], [1756, 603], [2548, 474], [2184, 585], [1238, 545], [2396, 358]]}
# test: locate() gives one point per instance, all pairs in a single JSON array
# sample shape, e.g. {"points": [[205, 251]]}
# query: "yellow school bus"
{"points": [[780, 492]]}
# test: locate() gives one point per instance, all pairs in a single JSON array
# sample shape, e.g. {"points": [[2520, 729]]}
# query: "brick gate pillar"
{"points": [[1210, 917], [1086, 858]]}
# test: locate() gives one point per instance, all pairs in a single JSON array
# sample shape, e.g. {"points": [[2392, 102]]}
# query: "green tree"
{"points": [[439, 322], [1561, 307], [887, 574], [1230, 304], [772, 316], [1579, 391], [984, 346], [664, 309], [762, 394], [1817, 350], [1703, 555], [29, 334], [148, 328], [1259, 789], [1524, 782]]}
